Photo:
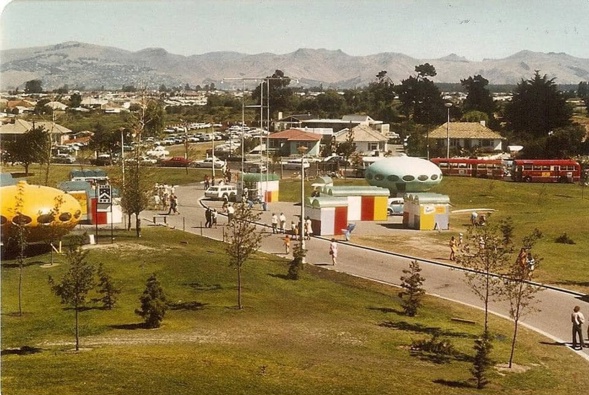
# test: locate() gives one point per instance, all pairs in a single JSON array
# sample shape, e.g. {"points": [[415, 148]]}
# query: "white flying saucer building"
{"points": [[401, 174]]}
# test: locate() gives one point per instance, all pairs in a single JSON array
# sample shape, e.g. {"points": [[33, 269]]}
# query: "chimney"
{"points": [[483, 123]]}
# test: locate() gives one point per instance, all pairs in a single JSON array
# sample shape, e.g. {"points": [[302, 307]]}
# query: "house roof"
{"points": [[464, 130], [295, 135], [357, 118], [361, 133], [21, 126]]}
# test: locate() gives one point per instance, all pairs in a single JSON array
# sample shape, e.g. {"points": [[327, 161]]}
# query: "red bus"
{"points": [[482, 168], [546, 170]]}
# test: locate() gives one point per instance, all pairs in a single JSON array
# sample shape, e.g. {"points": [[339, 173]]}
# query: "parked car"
{"points": [[176, 161], [208, 163], [219, 192], [395, 206], [295, 164], [158, 152], [63, 158], [143, 161]]}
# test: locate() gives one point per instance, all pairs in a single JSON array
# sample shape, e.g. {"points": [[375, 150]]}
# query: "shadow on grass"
{"points": [[561, 344], [406, 326], [24, 350], [32, 250], [16, 265], [205, 287], [192, 306], [454, 383], [129, 327], [280, 276], [387, 310]]}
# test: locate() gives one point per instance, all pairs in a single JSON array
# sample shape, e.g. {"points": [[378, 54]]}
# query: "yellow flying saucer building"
{"points": [[45, 213]]}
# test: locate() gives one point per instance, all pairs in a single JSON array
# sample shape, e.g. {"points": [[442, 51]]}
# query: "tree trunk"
{"points": [[20, 270], [515, 326], [137, 225], [239, 306], [77, 329]]}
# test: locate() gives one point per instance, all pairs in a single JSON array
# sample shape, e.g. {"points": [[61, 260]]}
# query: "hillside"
{"points": [[92, 66]]}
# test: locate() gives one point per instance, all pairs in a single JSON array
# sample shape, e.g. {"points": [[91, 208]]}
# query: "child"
{"points": [[287, 244]]}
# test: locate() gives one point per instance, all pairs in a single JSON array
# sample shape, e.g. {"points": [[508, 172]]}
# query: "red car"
{"points": [[176, 161]]}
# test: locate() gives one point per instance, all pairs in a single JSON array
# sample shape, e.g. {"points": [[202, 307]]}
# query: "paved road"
{"points": [[442, 280]]}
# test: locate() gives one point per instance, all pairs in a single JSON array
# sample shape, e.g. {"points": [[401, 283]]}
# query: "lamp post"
{"points": [[302, 149], [448, 105]]}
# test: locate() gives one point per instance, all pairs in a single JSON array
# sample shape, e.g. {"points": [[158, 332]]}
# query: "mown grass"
{"points": [[326, 333], [552, 208]]}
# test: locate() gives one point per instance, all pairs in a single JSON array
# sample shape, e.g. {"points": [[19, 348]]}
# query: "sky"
{"points": [[423, 29]]}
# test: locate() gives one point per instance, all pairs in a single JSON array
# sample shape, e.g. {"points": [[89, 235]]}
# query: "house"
{"points": [[59, 134], [368, 141], [467, 135], [288, 141]]}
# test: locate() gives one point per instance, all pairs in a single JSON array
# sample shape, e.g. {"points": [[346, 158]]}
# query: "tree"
{"points": [[420, 98], [153, 118], [537, 107], [519, 290], [153, 303], [76, 283], [29, 147], [20, 240], [485, 255], [281, 95], [482, 361], [348, 147], [107, 288], [478, 97], [412, 283], [75, 100], [34, 86], [135, 193], [244, 241], [296, 265]]}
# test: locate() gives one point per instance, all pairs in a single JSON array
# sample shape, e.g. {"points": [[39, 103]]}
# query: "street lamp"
{"points": [[448, 105], [302, 149]]}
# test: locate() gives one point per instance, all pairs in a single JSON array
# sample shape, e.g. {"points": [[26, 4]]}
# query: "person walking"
{"points": [[173, 204], [295, 230], [452, 248], [578, 319], [287, 244], [308, 228], [207, 182], [274, 223], [208, 217], [333, 251], [282, 219], [214, 217]]}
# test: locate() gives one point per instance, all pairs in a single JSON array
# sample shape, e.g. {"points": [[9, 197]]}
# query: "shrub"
{"points": [[153, 303], [564, 239]]}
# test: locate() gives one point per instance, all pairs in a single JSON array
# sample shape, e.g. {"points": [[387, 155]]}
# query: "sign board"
{"points": [[104, 194]]}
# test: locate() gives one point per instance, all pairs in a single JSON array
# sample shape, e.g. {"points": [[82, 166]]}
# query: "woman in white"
{"points": [[333, 251], [308, 228]]}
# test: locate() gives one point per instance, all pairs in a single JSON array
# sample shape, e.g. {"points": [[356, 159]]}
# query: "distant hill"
{"points": [[92, 66]]}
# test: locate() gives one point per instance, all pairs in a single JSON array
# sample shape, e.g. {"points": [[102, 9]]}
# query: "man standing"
{"points": [[577, 319], [274, 223], [230, 213], [208, 217], [282, 219]]}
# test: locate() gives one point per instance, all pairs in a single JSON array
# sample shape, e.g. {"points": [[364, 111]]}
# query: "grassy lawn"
{"points": [[553, 208], [326, 333]]}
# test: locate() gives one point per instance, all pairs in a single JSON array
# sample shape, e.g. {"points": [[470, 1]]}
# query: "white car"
{"points": [[158, 152], [208, 163], [295, 164], [219, 192]]}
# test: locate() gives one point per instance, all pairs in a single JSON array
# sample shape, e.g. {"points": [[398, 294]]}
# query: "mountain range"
{"points": [[89, 66]]}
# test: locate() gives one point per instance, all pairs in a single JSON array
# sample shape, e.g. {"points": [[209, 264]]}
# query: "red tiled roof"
{"points": [[295, 135]]}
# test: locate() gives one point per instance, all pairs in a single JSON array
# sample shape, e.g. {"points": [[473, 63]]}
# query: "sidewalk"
{"points": [[382, 266]]}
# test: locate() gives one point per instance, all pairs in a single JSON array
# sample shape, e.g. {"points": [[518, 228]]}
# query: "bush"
{"points": [[153, 303], [440, 350], [564, 239]]}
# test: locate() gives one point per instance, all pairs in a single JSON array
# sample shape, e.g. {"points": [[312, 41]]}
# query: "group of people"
{"points": [[162, 197], [211, 217], [279, 226], [211, 181]]}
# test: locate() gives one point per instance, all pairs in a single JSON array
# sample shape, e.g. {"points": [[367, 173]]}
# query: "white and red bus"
{"points": [[467, 167], [546, 170]]}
